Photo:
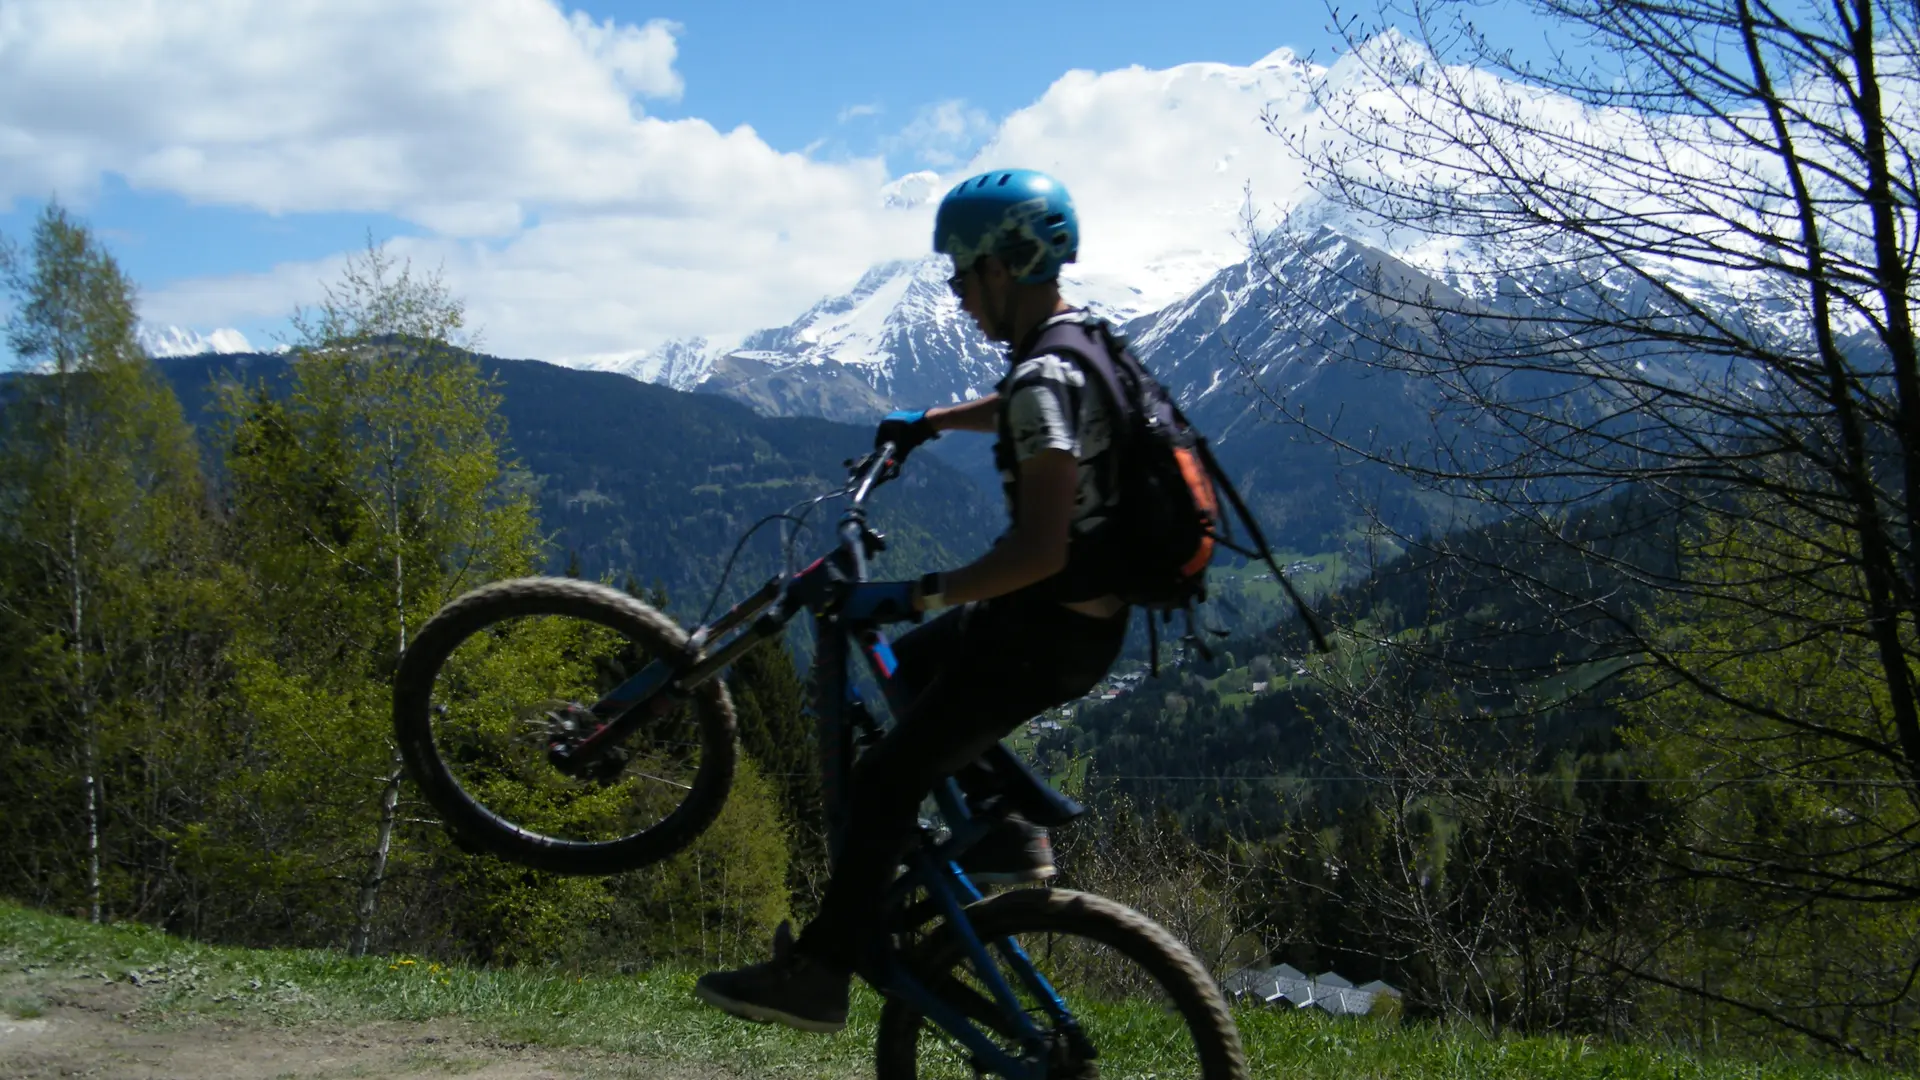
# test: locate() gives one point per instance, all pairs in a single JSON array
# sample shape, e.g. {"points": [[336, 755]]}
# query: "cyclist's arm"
{"points": [[1036, 549], [976, 415]]}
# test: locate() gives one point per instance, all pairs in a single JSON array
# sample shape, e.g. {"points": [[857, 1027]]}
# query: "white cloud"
{"points": [[641, 56], [854, 112], [1160, 163], [574, 223], [470, 118], [942, 135], [442, 111]]}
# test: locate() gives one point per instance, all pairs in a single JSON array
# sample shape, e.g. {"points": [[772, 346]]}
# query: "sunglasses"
{"points": [[958, 282]]}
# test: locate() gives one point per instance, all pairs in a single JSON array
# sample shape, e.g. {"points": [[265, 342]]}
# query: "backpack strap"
{"points": [[1260, 550], [1072, 336]]}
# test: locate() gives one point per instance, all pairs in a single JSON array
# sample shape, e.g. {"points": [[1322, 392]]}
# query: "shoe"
{"points": [[1015, 852], [791, 989]]}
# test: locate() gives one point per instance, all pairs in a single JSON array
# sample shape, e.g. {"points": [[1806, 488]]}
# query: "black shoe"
{"points": [[791, 989], [1015, 852]]}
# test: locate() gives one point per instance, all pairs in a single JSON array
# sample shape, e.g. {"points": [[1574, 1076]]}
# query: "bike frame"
{"points": [[843, 724]]}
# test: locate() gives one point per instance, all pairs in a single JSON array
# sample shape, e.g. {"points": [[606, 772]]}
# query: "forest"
{"points": [[1629, 748], [202, 627]]}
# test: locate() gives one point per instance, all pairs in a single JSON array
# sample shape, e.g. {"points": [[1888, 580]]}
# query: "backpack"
{"points": [[1167, 521]]}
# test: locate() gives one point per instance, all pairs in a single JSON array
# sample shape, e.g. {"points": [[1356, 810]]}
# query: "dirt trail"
{"points": [[90, 1029]]}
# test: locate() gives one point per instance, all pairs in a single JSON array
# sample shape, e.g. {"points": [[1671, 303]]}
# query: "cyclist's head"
{"points": [[1021, 217]]}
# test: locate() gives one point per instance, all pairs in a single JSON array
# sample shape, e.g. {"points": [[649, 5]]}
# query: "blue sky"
{"points": [[229, 154], [791, 69]]}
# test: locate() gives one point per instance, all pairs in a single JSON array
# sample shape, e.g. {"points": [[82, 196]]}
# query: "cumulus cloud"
{"points": [[641, 57], [516, 135], [469, 118], [1162, 163], [942, 135], [442, 111]]}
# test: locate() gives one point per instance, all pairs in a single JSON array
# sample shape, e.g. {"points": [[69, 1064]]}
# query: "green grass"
{"points": [[653, 1014], [1333, 572]]}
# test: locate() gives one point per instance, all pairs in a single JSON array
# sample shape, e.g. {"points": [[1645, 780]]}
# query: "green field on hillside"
{"points": [[653, 1014]]}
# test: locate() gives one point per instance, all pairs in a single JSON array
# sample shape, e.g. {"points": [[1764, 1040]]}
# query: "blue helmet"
{"points": [[1023, 217]]}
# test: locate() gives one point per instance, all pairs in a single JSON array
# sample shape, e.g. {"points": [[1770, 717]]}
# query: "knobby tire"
{"points": [[1026, 913], [476, 826]]}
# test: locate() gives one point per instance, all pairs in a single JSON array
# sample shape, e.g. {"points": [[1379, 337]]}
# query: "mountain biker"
{"points": [[1019, 631]]}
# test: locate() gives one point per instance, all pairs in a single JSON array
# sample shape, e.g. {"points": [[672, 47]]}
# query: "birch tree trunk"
{"points": [[382, 844], [390, 792]]}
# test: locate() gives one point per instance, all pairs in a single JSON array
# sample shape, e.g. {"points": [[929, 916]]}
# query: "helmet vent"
{"points": [[1004, 177]]}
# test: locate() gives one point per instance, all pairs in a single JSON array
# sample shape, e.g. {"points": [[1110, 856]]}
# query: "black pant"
{"points": [[969, 676]]}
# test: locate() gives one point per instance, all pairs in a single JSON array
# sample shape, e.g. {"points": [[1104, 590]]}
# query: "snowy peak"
{"points": [[911, 190], [845, 329], [679, 363], [899, 330], [179, 341]]}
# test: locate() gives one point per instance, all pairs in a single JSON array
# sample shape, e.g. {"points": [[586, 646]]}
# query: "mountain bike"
{"points": [[571, 727]]}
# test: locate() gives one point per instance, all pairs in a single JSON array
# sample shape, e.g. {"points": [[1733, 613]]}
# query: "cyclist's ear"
{"points": [[992, 270]]}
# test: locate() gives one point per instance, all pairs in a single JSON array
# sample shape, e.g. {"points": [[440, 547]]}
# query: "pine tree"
{"points": [[769, 700]]}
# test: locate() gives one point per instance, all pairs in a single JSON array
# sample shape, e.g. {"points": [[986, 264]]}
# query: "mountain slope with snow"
{"points": [[179, 341]]}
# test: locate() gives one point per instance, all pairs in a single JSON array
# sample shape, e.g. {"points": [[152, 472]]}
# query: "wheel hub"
{"points": [[567, 728]]}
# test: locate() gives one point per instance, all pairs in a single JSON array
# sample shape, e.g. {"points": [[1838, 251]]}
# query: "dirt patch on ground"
{"points": [[93, 1029]]}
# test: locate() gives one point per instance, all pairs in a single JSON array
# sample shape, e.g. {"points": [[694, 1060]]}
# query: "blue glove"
{"points": [[879, 601], [905, 429]]}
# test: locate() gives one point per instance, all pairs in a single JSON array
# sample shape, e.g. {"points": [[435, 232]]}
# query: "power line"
{"points": [[1467, 778], [1531, 779]]}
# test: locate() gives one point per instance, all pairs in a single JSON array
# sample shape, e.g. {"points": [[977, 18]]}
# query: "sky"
{"points": [[597, 178]]}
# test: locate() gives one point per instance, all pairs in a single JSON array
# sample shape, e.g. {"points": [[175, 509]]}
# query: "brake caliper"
{"points": [[570, 726]]}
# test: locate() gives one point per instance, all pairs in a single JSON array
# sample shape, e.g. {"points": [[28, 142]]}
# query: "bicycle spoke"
{"points": [[1110, 994], [512, 692]]}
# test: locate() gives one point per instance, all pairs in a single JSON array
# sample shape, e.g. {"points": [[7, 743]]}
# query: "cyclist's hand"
{"points": [[880, 601], [905, 429]]}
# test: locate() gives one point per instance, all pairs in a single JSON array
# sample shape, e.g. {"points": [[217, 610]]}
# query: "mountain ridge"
{"points": [[636, 478]]}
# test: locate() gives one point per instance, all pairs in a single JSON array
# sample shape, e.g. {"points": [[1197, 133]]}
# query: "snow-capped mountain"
{"points": [[1264, 329], [680, 363], [179, 341], [897, 338], [899, 335]]}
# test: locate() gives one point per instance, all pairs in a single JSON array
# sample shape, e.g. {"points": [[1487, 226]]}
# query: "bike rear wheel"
{"points": [[1144, 1004], [499, 672]]}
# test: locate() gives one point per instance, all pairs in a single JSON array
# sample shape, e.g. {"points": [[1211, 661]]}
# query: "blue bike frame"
{"points": [[843, 724]]}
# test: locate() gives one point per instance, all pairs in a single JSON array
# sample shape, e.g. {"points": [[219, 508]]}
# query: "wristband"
{"points": [[931, 598]]}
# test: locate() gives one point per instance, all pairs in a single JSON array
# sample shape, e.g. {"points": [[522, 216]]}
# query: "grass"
{"points": [[653, 1014]]}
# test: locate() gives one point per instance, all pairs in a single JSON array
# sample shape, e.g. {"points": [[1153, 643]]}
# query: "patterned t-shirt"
{"points": [[1051, 406]]}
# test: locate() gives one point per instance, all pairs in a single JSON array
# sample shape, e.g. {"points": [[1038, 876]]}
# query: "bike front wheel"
{"points": [[490, 683], [1143, 1006]]}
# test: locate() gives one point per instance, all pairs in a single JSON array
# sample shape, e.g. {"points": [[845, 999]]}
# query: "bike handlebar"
{"points": [[872, 471], [789, 594]]}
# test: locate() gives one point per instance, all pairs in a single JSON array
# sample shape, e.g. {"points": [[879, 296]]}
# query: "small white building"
{"points": [[1285, 985]]}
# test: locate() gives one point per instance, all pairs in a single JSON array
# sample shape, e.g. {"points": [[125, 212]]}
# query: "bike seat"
{"points": [[1023, 789]]}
